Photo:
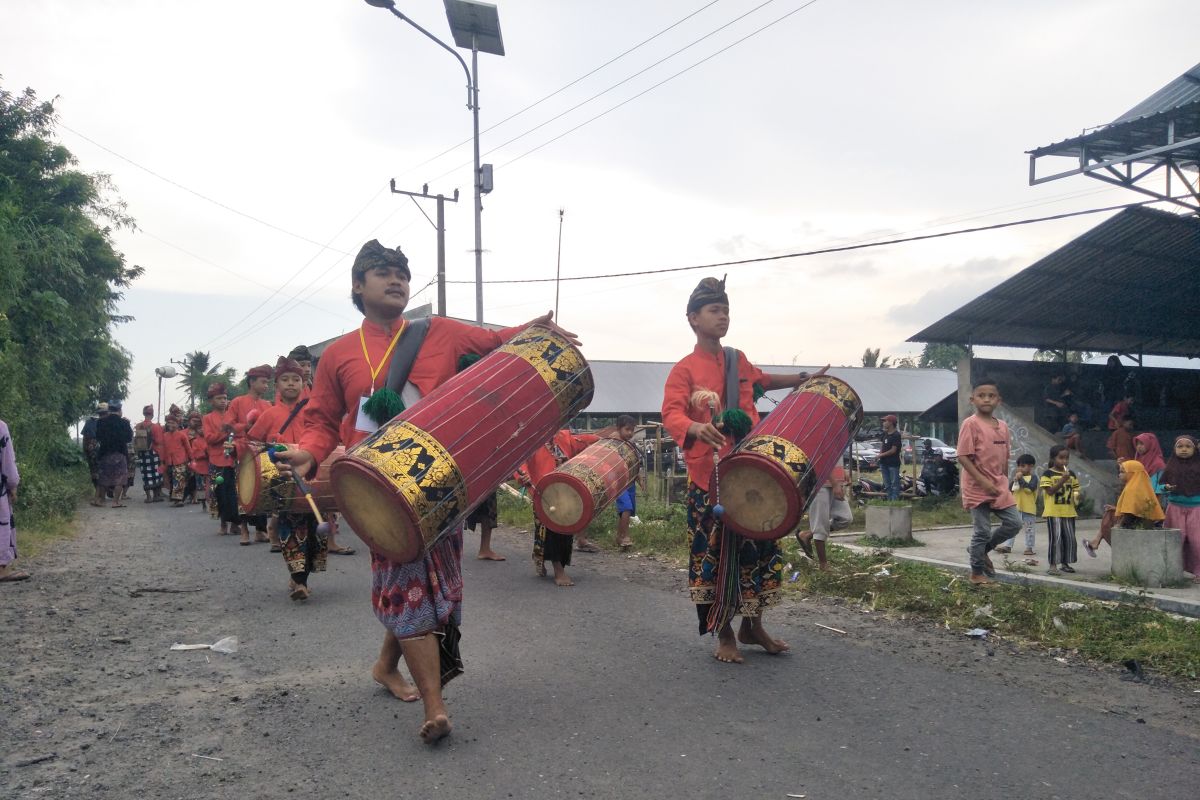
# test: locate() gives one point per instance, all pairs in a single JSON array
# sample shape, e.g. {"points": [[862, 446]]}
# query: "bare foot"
{"points": [[563, 580], [436, 729], [489, 555], [299, 592], [727, 651], [394, 682], [758, 636]]}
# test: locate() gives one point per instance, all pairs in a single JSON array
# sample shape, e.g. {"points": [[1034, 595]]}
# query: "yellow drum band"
{"points": [[558, 362], [837, 391], [777, 449], [591, 478], [421, 470]]}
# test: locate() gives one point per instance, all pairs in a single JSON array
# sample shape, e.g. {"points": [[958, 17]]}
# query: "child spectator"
{"points": [[1070, 432], [1120, 441], [983, 453], [1137, 506], [1181, 482], [1060, 494], [1121, 411], [627, 501], [830, 511], [1148, 451], [1024, 488]]}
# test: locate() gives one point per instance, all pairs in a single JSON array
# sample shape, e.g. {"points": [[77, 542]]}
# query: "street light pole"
{"points": [[468, 21]]}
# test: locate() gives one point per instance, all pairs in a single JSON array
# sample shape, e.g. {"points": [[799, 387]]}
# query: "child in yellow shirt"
{"points": [[1024, 489], [1060, 494]]}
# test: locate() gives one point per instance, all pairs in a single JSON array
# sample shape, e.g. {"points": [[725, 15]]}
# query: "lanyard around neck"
{"points": [[375, 370]]}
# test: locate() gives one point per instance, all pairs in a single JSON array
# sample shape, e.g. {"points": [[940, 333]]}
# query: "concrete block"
{"points": [[889, 522], [1150, 558]]}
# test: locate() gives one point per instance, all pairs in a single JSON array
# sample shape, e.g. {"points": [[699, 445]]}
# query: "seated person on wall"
{"points": [[1070, 433]]}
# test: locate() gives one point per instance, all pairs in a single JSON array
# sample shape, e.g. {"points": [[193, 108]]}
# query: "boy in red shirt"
{"points": [[176, 454], [148, 443], [198, 462], [218, 435], [240, 415], [419, 603], [551, 545], [983, 453], [690, 424]]}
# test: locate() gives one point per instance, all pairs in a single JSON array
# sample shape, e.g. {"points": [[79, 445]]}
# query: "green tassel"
{"points": [[759, 392], [467, 359], [382, 406], [735, 422]]}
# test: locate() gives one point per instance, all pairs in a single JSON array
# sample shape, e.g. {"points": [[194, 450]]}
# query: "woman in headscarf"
{"points": [[1181, 481], [1149, 453]]}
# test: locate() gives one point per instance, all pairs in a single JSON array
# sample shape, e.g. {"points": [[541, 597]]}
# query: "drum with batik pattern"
{"points": [[260, 490], [571, 496], [766, 483], [419, 475]]}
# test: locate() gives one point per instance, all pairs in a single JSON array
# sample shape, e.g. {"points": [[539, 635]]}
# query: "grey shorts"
{"points": [[827, 514]]}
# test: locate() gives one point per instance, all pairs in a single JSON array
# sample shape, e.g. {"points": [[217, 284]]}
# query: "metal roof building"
{"points": [[636, 387], [1126, 286]]}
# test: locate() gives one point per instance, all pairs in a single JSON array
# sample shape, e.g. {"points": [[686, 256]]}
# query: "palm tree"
{"points": [[870, 358], [197, 374]]}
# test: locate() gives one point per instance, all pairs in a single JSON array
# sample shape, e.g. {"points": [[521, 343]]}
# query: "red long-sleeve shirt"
{"points": [[343, 377], [215, 436], [176, 448], [198, 450], [704, 370], [266, 427]]}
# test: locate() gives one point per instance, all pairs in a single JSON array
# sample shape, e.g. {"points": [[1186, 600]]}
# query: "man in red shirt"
{"points": [[222, 480], [148, 443], [424, 597], [689, 418]]}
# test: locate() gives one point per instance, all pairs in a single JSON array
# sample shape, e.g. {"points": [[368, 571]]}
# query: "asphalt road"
{"points": [[601, 690]]}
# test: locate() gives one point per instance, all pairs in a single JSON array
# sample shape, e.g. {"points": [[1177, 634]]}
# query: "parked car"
{"points": [[937, 445], [863, 455]]}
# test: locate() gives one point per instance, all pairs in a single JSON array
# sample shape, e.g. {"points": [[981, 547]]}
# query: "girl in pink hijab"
{"points": [[1149, 452]]}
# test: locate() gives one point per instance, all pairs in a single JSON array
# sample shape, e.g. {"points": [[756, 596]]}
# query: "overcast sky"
{"points": [[848, 120]]}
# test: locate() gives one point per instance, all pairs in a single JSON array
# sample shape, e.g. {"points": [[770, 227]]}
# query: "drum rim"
{"points": [[258, 506], [358, 469], [782, 477], [588, 506]]}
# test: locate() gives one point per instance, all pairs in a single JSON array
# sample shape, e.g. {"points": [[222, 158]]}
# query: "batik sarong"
{"points": [[178, 474], [151, 477], [550, 546], [758, 567], [304, 550]]}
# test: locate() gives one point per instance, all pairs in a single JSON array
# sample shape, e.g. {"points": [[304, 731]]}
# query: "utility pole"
{"points": [[558, 266], [440, 227]]}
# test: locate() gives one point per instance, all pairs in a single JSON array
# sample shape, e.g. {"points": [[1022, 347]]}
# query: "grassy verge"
{"points": [[46, 503], [1031, 614], [888, 542], [928, 512]]}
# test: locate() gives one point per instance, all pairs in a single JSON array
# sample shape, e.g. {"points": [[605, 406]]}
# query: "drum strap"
{"points": [[405, 354], [292, 415], [733, 393]]}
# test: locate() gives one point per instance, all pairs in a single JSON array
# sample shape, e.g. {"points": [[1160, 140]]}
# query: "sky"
{"points": [[253, 144]]}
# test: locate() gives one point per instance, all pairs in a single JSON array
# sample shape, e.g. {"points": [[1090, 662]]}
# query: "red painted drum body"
{"points": [[262, 491], [569, 498], [770, 477], [412, 480]]}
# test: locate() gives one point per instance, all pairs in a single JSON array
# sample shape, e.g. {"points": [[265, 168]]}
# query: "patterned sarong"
{"points": [[151, 477], [304, 550]]}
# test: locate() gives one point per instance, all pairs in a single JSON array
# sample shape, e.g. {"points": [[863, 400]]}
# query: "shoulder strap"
{"points": [[406, 353], [292, 415], [733, 394]]}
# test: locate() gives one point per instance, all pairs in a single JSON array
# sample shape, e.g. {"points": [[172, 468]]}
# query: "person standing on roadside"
{"points": [[9, 479], [889, 457]]}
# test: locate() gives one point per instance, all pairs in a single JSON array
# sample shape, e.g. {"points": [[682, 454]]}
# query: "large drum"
{"points": [[768, 480], [261, 490], [569, 498], [417, 476]]}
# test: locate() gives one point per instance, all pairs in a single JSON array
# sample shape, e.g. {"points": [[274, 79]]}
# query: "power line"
{"points": [[826, 250], [660, 83], [561, 89], [204, 197]]}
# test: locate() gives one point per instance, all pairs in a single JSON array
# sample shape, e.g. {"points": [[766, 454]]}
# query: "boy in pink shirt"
{"points": [[983, 454]]}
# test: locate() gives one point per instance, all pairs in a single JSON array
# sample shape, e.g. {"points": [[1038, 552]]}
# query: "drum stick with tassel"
{"points": [[302, 485], [702, 398]]}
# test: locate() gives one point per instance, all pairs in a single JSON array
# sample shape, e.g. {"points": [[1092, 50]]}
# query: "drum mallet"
{"points": [[302, 485]]}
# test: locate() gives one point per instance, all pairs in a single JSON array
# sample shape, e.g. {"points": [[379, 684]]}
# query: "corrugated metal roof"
{"points": [[1126, 286], [636, 387], [1144, 126]]}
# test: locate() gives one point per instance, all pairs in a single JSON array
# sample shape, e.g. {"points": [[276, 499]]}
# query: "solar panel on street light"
{"points": [[475, 24]]}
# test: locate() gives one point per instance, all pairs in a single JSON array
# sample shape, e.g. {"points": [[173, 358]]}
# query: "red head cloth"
{"points": [[261, 371], [175, 411], [1152, 459], [194, 415], [148, 411], [216, 389], [285, 365]]}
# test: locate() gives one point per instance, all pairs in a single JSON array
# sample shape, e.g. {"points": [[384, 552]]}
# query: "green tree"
{"points": [[198, 374], [60, 282], [942, 356], [870, 358], [1068, 356]]}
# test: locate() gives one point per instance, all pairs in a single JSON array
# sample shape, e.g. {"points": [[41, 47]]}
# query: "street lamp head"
{"points": [[382, 3]]}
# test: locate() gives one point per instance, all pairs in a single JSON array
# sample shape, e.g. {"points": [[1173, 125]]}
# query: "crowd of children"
{"points": [[1148, 484]]}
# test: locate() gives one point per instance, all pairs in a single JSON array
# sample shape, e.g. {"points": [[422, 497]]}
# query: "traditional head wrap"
{"points": [[1183, 474], [373, 255], [102, 408], [1152, 459], [175, 411], [1138, 498], [285, 365], [709, 290], [261, 371], [216, 389], [115, 405], [147, 411], [300, 353]]}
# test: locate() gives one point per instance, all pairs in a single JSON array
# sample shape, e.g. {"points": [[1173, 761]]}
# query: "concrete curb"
{"points": [[1174, 605]]}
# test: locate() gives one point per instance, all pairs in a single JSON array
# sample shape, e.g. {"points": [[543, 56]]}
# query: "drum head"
{"points": [[562, 507], [760, 500], [376, 512], [249, 481]]}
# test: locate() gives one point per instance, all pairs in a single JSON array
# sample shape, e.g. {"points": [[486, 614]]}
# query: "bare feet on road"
{"points": [[394, 682], [435, 729]]}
